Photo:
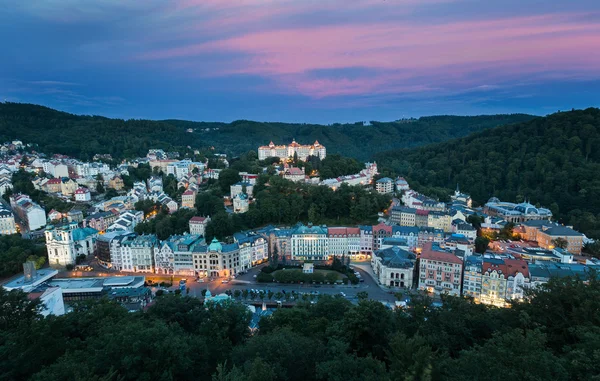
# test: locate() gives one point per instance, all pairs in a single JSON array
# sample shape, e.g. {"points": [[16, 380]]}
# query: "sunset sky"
{"points": [[301, 60]]}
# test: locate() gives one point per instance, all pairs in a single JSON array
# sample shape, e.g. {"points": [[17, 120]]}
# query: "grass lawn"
{"points": [[325, 272]]}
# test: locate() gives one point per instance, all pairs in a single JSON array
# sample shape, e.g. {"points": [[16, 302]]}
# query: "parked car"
{"points": [[225, 281]]}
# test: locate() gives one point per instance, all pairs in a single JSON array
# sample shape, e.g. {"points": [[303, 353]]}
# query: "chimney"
{"points": [[29, 271]]}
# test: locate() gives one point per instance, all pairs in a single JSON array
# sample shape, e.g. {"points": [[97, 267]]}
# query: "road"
{"points": [[247, 281]]}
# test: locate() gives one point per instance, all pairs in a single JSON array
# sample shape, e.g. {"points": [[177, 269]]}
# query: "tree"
{"points": [[275, 257], [227, 178], [362, 295], [481, 244], [560, 243]]}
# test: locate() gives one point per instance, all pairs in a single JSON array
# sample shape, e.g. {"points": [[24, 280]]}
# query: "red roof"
{"points": [[197, 219], [54, 181], [509, 267], [353, 230], [188, 192], [82, 191], [382, 226], [295, 171], [421, 212], [337, 231], [441, 256]]}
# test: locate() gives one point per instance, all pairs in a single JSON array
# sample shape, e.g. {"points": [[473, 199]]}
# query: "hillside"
{"points": [[84, 136], [553, 161]]}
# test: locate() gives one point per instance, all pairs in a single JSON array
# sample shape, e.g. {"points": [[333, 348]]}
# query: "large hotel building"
{"points": [[283, 151]]}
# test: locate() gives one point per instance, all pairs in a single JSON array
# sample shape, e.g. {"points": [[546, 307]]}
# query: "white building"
{"points": [[283, 151], [238, 188], [198, 225], [83, 195], [33, 282], [241, 203], [33, 215], [309, 243], [7, 221], [294, 174], [384, 185], [394, 267], [67, 242]]}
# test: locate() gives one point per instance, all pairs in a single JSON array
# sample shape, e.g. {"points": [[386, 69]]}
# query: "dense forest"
{"points": [[85, 136], [555, 336], [552, 161]]}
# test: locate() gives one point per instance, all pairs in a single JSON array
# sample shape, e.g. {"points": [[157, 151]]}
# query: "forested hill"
{"points": [[356, 140], [84, 136], [553, 161]]}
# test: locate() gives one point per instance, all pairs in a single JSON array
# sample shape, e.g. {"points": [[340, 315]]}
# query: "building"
{"points": [[309, 242], [461, 197], [440, 271], [402, 184], [516, 213], [218, 259], [198, 225], [294, 149], [472, 277], [241, 203], [101, 220], [30, 213], [104, 245], [7, 221], [83, 195], [142, 252], [384, 185], [116, 183], [241, 187], [175, 255], [466, 230], [503, 280], [188, 199], [338, 241], [65, 243], [416, 200], [403, 216], [33, 282], [545, 233], [394, 267], [68, 186], [439, 220], [381, 231], [127, 221], [254, 248], [294, 174]]}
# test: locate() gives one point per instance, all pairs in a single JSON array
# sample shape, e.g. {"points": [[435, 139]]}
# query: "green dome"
{"points": [[215, 245]]}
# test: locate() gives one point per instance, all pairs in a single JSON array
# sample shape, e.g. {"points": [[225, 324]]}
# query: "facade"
{"points": [[440, 271], [472, 277], [546, 232], [402, 184], [68, 186], [241, 203], [32, 215], [403, 216], [198, 225], [338, 241], [516, 213], [439, 220], [394, 267], [7, 221], [294, 174], [384, 185], [283, 151], [309, 243], [503, 280], [100, 221], [381, 231], [466, 230], [218, 259], [67, 242], [175, 255], [254, 248], [238, 188], [188, 199], [83, 195]]}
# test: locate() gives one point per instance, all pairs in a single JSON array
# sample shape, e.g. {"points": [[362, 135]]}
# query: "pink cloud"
{"points": [[289, 55]]}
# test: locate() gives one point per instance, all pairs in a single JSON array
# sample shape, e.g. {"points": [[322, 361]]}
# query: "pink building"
{"points": [[439, 271]]}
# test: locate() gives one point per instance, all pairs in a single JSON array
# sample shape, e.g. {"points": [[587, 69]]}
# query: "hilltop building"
{"points": [[285, 151]]}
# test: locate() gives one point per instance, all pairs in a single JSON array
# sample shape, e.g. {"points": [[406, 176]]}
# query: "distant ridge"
{"points": [[83, 136]]}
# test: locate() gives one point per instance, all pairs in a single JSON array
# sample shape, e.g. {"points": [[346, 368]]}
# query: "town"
{"points": [[491, 253]]}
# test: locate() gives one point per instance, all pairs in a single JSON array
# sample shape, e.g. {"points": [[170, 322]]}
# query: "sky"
{"points": [[316, 61]]}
